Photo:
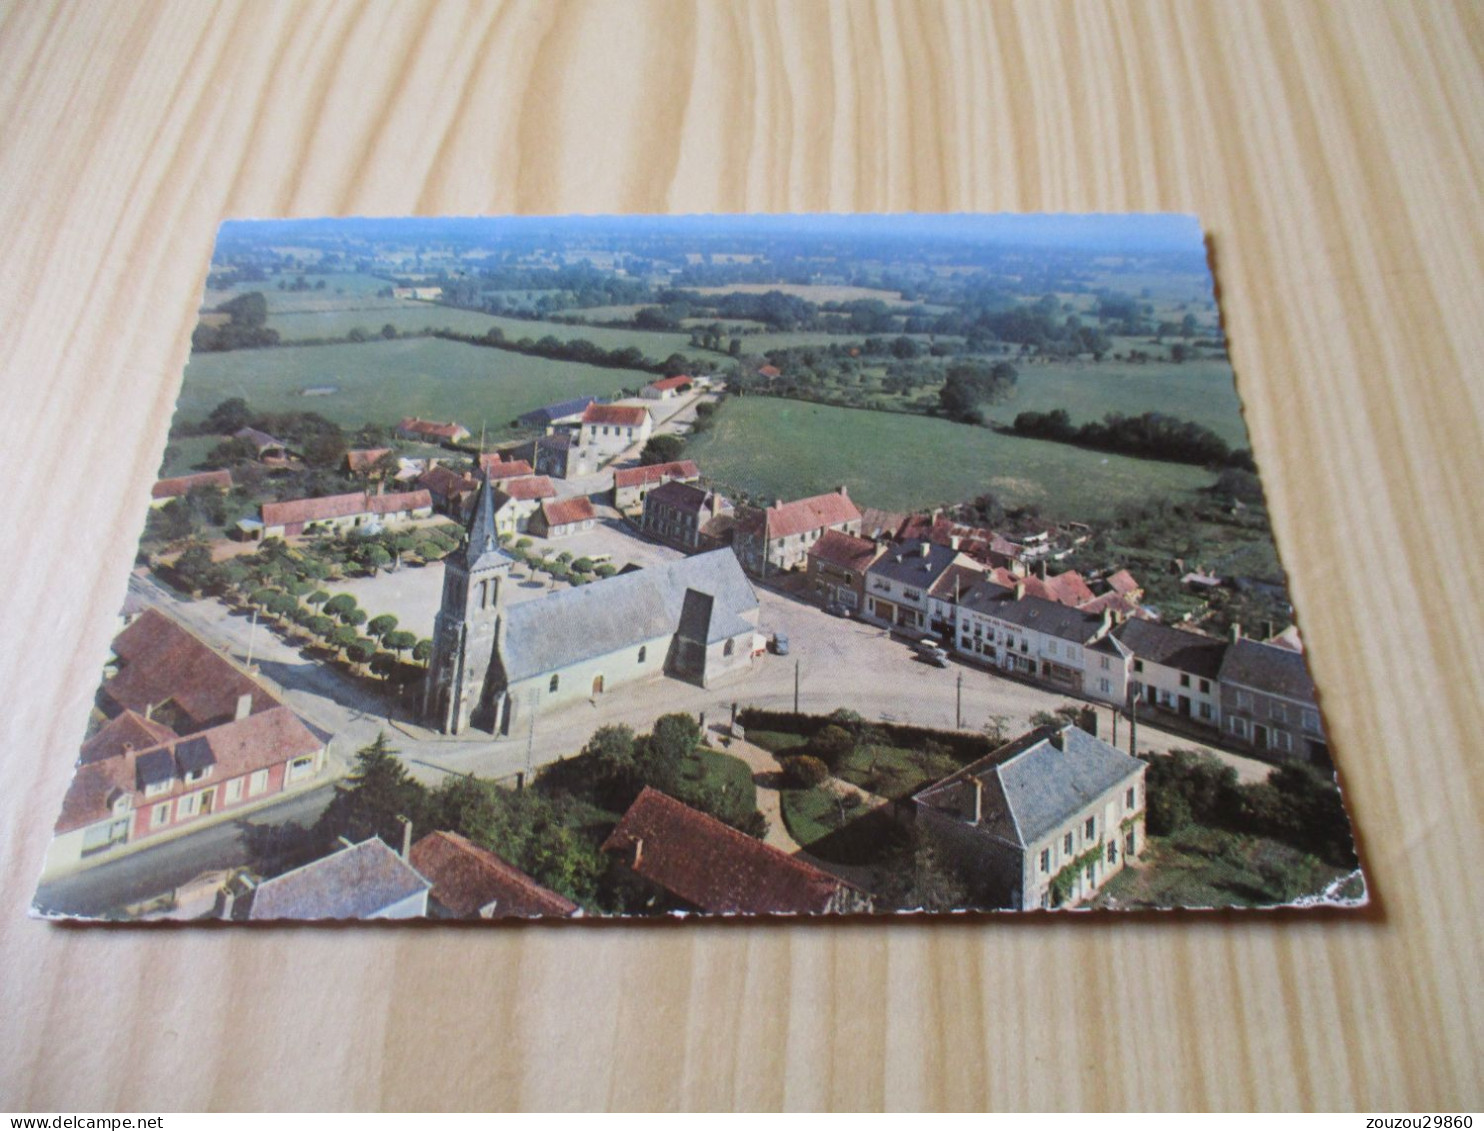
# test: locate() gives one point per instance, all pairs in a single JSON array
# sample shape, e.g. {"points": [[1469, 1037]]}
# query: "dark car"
{"points": [[835, 609], [780, 644]]}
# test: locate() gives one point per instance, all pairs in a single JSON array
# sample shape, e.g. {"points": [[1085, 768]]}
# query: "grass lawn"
{"points": [[656, 344], [771, 448], [1201, 867], [812, 817], [407, 315], [776, 741], [184, 453], [383, 381], [893, 771], [711, 770]]}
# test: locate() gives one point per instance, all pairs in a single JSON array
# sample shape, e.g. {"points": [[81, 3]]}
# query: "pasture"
{"points": [[383, 381], [809, 292], [773, 448]]}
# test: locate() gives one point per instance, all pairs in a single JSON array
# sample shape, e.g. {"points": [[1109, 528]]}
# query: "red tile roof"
{"points": [[672, 383], [632, 416], [293, 511], [769, 371], [236, 748], [564, 512], [1069, 589], [1123, 582], [655, 473], [502, 468], [445, 481], [844, 550], [129, 731], [473, 883], [450, 431], [714, 867], [363, 459], [161, 661], [528, 487], [171, 488], [801, 515]]}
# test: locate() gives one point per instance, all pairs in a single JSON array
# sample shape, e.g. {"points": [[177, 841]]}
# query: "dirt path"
{"points": [[767, 775]]}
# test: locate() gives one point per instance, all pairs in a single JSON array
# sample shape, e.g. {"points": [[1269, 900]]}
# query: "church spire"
{"points": [[484, 538]]}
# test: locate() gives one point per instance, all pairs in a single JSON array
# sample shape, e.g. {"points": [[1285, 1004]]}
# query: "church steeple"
{"points": [[484, 538]]}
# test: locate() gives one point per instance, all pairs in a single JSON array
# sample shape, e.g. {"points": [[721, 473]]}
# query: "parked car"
{"points": [[780, 644], [933, 653], [835, 609]]}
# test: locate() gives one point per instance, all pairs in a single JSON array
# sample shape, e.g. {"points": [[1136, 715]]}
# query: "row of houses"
{"points": [[334, 514], [183, 737]]}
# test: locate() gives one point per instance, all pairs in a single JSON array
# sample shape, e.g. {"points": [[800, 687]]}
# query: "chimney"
{"points": [[1236, 632], [1058, 738], [244, 706], [926, 548], [638, 851], [149, 711], [1019, 590], [978, 787], [842, 490], [1087, 719], [406, 836], [777, 504], [229, 897]]}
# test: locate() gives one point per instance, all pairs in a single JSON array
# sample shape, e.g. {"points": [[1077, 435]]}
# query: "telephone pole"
{"points": [[796, 687], [958, 713]]}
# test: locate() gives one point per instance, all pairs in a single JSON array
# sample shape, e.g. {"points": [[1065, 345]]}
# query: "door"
{"points": [[1260, 736], [597, 685], [1185, 706]]}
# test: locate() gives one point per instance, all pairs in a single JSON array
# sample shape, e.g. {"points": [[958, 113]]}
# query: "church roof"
{"points": [[552, 633], [483, 549]]}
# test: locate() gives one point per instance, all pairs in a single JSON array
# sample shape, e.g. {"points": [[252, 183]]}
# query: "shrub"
{"points": [[832, 745], [804, 771]]}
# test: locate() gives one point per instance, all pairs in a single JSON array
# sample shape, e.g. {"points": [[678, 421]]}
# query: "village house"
{"points": [[562, 457], [1174, 669], [499, 467], [610, 429], [560, 518], [684, 516], [1268, 701], [452, 491], [667, 388], [982, 545], [516, 500], [470, 882], [336, 513], [267, 449], [777, 539], [898, 581], [1066, 648], [166, 489], [564, 412], [190, 739], [945, 594], [363, 461], [836, 568], [430, 431], [631, 484], [694, 619], [421, 294], [694, 862], [1044, 821], [360, 881]]}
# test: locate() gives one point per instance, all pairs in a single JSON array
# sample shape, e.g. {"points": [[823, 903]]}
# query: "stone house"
{"points": [[777, 539], [682, 515], [1174, 669], [836, 567], [1268, 701]]}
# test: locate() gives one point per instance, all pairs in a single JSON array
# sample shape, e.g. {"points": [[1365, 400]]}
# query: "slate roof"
{"points": [[1268, 668], [920, 564], [161, 661], [956, 580], [1033, 613], [564, 512], [655, 473], [844, 551], [468, 879], [814, 513], [679, 496], [632, 416], [260, 440], [354, 883], [712, 866], [553, 632], [545, 415], [1173, 647], [181, 484], [1035, 784]]}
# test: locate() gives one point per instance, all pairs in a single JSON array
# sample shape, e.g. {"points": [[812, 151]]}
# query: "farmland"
{"points": [[384, 381], [768, 447]]}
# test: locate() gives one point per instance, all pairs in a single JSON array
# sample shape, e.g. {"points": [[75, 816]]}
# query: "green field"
{"points": [[779, 448], [383, 381], [1202, 391], [656, 344]]}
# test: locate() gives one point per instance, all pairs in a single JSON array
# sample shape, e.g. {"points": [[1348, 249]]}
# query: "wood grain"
{"points": [[1334, 153]]}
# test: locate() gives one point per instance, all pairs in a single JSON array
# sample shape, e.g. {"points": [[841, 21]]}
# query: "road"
{"points": [[163, 867]]}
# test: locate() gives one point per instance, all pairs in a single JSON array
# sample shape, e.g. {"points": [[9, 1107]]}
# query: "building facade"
{"points": [[777, 539], [1268, 702]]}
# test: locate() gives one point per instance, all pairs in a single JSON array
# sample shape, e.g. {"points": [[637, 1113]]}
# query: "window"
{"points": [[643, 651], [1112, 852], [158, 788], [1129, 798], [257, 783], [1105, 687], [193, 776], [729, 647], [1278, 711], [300, 768], [1282, 740], [1184, 680], [1138, 665], [1090, 830], [159, 816], [1205, 687], [1205, 710], [1104, 661], [1238, 727], [1244, 700], [234, 791], [1045, 861], [1066, 845], [1129, 844], [556, 681], [1311, 721], [187, 806]]}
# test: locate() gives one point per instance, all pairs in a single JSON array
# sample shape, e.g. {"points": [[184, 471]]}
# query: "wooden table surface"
{"points": [[1333, 152]]}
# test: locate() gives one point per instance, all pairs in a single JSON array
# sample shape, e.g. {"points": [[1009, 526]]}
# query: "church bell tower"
{"points": [[468, 629]]}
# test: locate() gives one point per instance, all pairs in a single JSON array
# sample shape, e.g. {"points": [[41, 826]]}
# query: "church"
{"points": [[495, 664]]}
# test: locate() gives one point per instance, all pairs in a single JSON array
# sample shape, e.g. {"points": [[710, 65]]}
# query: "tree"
{"points": [[422, 651], [340, 604], [318, 597], [804, 771], [388, 331], [229, 416], [661, 449], [399, 641], [832, 745], [361, 650], [379, 626], [376, 797], [343, 637], [662, 753], [321, 626], [383, 664], [354, 617], [358, 334], [195, 570]]}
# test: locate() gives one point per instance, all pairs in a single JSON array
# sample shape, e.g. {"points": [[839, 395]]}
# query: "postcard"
{"points": [[586, 567]]}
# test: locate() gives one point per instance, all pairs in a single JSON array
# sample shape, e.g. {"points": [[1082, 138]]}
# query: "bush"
{"points": [[832, 745], [804, 771]]}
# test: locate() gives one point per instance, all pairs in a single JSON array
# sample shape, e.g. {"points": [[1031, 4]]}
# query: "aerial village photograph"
{"points": [[595, 567]]}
